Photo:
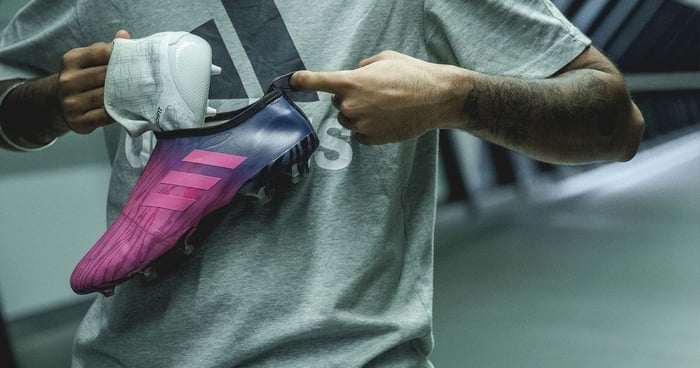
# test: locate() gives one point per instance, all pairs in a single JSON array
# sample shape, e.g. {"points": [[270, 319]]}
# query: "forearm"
{"points": [[579, 116], [31, 114]]}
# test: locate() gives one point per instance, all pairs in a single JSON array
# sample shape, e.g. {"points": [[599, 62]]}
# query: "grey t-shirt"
{"points": [[337, 270]]}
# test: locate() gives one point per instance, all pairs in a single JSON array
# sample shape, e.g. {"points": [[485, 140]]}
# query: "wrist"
{"points": [[456, 91], [9, 136], [30, 117]]}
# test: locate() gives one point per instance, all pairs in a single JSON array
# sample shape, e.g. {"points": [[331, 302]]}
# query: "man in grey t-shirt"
{"points": [[337, 271]]}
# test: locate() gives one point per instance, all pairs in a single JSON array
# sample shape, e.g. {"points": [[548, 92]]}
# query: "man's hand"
{"points": [[36, 112], [391, 97], [81, 86], [581, 114]]}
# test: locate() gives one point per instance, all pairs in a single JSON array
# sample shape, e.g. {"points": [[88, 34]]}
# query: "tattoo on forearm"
{"points": [[515, 110], [511, 121]]}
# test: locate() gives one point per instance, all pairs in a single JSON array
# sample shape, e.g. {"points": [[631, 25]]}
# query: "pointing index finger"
{"points": [[331, 82]]}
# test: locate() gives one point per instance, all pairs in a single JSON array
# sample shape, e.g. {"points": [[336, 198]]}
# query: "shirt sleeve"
{"points": [[523, 38], [35, 40]]}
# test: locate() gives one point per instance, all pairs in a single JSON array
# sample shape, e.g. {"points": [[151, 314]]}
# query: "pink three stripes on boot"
{"points": [[191, 180]]}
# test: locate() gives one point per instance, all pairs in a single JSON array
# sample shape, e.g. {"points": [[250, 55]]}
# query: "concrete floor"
{"points": [[605, 276]]}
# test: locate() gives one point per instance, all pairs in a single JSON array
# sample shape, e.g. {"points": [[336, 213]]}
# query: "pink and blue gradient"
{"points": [[190, 174]]}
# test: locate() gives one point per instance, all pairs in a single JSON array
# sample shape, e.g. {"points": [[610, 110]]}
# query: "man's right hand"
{"points": [[80, 86], [35, 113]]}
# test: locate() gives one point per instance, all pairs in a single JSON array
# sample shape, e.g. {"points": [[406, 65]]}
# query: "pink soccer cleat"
{"points": [[191, 173]]}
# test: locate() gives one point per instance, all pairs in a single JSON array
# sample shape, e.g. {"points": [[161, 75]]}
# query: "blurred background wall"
{"points": [[537, 265]]}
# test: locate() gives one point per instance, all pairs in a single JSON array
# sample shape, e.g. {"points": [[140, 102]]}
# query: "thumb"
{"points": [[122, 34], [331, 82]]}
